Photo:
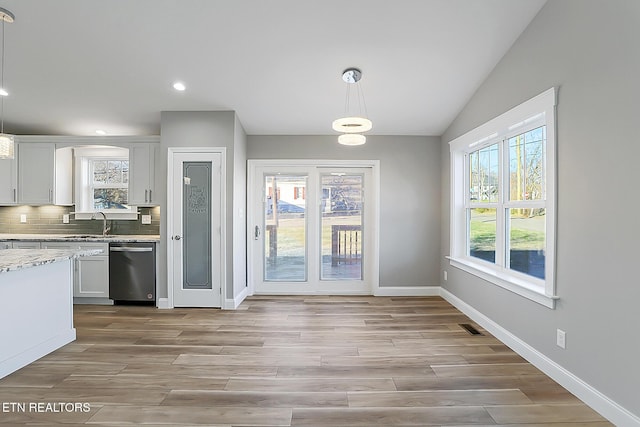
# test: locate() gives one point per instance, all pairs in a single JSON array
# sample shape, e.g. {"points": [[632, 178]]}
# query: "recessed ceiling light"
{"points": [[101, 132], [179, 86]]}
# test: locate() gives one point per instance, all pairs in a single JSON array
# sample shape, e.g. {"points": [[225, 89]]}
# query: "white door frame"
{"points": [[252, 167], [223, 216]]}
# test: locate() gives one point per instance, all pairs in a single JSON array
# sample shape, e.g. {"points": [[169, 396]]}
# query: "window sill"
{"points": [[506, 281], [110, 215]]}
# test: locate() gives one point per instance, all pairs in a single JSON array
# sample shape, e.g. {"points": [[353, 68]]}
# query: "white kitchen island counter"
{"points": [[36, 308]]}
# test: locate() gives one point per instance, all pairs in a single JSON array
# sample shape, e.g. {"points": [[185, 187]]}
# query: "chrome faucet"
{"points": [[105, 229]]}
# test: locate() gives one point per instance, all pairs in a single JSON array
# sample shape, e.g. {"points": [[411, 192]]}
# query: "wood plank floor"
{"points": [[289, 361]]}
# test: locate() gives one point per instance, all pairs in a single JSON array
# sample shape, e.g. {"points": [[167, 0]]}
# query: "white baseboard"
{"points": [[34, 353], [232, 304], [407, 291], [163, 303], [592, 397]]}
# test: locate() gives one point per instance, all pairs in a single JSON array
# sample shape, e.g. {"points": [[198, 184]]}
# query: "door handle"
{"points": [[256, 234], [145, 195], [129, 249], [176, 238]]}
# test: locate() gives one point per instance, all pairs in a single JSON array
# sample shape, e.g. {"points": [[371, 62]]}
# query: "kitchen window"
{"points": [[503, 200], [109, 183], [102, 182]]}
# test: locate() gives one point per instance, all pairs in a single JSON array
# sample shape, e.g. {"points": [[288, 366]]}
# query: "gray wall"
{"points": [[409, 196], [239, 209], [590, 50], [197, 129]]}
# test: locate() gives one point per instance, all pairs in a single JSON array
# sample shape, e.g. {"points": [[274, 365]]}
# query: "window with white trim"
{"points": [[109, 183], [503, 200], [102, 182]]}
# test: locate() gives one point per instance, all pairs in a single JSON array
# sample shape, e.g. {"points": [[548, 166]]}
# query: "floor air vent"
{"points": [[469, 328]]}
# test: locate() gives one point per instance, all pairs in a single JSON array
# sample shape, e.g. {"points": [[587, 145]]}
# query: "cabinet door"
{"points": [[36, 173], [8, 181], [26, 245], [92, 277], [142, 174]]}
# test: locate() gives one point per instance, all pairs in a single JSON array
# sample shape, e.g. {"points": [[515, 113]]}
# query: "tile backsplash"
{"points": [[48, 220]]}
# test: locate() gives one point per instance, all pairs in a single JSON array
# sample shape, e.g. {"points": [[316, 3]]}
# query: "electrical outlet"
{"points": [[561, 338], [146, 219], [23, 218], [445, 275], [65, 219]]}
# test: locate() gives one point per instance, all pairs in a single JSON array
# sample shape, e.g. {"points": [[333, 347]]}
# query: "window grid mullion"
{"points": [[500, 215]]}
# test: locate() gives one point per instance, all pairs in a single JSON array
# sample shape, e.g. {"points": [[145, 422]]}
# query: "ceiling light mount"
{"points": [[6, 15], [351, 75]]}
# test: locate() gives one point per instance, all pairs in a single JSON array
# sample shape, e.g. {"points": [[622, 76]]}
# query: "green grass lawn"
{"points": [[483, 237]]}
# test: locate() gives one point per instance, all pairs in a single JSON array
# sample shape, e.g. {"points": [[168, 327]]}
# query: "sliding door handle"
{"points": [[256, 233]]}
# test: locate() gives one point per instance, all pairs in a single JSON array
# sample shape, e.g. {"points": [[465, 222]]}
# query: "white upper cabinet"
{"points": [[142, 160], [64, 176], [8, 181], [43, 172], [36, 173]]}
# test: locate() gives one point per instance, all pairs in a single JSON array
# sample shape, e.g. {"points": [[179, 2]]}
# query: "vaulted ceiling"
{"points": [[74, 66]]}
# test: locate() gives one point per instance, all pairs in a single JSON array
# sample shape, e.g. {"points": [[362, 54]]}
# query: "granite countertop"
{"points": [[81, 237], [19, 259]]}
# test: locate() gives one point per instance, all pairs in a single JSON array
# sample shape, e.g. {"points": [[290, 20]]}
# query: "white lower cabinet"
{"points": [[91, 273], [5, 245], [92, 277]]}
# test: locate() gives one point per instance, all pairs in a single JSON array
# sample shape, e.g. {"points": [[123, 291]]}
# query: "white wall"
{"points": [[197, 129], [590, 50], [409, 196]]}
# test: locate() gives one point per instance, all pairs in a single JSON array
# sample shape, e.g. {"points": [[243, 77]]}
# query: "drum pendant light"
{"points": [[352, 125]]}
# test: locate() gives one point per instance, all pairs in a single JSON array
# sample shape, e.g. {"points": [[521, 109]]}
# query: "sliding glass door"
{"points": [[311, 230], [285, 228], [341, 216]]}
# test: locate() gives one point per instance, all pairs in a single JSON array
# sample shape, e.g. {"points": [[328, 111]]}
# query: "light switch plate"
{"points": [[65, 219], [146, 219], [23, 218]]}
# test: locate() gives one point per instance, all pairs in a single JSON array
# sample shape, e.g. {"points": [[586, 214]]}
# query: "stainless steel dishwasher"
{"points": [[132, 272]]}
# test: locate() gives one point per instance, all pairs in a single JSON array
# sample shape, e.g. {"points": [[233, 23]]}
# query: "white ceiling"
{"points": [[74, 66]]}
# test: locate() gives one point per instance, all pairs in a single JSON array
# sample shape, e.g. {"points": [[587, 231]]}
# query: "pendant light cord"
{"points": [[362, 105]]}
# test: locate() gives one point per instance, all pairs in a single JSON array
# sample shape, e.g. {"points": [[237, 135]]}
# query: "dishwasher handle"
{"points": [[129, 249]]}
